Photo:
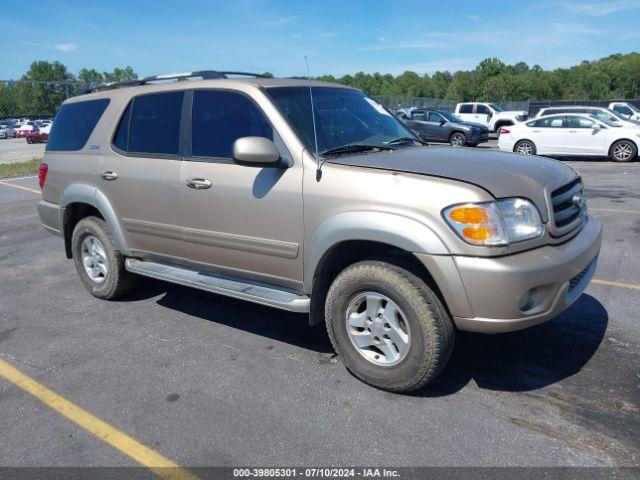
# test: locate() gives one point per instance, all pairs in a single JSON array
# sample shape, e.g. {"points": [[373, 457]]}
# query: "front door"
{"points": [[583, 138], [141, 179], [239, 220]]}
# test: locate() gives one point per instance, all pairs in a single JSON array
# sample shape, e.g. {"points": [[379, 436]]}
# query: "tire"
{"points": [[525, 147], [428, 328], [111, 279], [623, 151], [458, 139]]}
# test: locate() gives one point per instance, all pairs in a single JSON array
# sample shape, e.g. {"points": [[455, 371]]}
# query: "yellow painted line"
{"points": [[613, 210], [615, 284], [33, 190], [142, 454]]}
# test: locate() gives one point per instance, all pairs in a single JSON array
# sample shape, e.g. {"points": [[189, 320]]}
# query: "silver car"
{"points": [[311, 197]]}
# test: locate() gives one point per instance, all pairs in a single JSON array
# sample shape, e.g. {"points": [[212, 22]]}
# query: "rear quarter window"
{"points": [[466, 108], [74, 123]]}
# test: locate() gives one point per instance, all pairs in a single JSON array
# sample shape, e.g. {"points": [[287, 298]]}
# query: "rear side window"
{"points": [[219, 118], [466, 108], [74, 123], [548, 122], [151, 125]]}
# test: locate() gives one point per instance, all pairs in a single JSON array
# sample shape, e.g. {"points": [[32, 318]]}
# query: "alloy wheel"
{"points": [[378, 329]]}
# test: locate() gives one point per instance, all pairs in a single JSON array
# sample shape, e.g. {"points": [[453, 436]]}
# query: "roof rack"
{"points": [[203, 74]]}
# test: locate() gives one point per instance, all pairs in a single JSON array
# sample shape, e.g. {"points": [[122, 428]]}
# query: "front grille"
{"points": [[568, 210]]}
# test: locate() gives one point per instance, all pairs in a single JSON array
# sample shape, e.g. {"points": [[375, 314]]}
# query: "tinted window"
{"points": [[622, 109], [154, 126], [121, 139], [418, 116], [220, 118], [434, 117], [482, 109], [466, 108], [74, 124], [548, 122], [579, 122]]}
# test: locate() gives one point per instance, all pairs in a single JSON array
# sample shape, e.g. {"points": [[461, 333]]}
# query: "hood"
{"points": [[470, 124], [501, 174]]}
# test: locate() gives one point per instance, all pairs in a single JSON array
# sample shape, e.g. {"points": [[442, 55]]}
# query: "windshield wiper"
{"points": [[400, 140], [355, 148]]}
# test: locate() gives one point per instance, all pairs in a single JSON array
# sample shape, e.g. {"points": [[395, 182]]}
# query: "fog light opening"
{"points": [[528, 300]]}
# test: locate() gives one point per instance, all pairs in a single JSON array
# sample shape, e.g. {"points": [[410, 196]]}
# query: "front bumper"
{"points": [[479, 136], [487, 295], [555, 275]]}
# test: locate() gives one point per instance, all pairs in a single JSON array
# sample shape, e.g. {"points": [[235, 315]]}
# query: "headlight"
{"points": [[495, 223]]}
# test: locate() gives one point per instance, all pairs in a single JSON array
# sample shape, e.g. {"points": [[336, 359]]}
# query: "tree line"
{"points": [[616, 76]]}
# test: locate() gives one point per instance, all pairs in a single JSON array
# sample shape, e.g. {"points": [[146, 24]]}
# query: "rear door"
{"points": [[239, 220], [465, 112], [140, 176], [549, 134]]}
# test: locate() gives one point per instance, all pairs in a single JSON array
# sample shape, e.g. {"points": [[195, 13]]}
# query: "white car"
{"points": [[600, 113], [489, 114], [572, 134], [626, 109]]}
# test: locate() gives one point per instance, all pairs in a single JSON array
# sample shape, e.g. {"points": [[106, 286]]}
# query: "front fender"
{"points": [[83, 193], [392, 229]]}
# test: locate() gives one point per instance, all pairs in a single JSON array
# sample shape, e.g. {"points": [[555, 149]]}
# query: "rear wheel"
{"points": [[458, 139], [388, 326], [623, 151], [525, 147], [98, 261]]}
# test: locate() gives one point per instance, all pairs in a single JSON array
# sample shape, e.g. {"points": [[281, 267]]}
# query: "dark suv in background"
{"points": [[441, 126]]}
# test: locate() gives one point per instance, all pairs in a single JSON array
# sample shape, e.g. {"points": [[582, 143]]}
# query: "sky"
{"points": [[337, 36]]}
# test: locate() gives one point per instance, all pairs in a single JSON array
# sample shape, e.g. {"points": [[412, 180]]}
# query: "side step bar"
{"points": [[243, 290]]}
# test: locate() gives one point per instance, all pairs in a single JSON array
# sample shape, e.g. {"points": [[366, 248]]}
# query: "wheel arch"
{"points": [[636, 143], [79, 201], [354, 236]]}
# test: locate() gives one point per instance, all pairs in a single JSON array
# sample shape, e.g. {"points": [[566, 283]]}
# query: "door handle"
{"points": [[536, 131], [109, 175], [199, 183], [573, 131]]}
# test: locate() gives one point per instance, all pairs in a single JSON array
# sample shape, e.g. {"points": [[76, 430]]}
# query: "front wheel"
{"points": [[525, 147], [388, 326], [458, 139], [623, 151]]}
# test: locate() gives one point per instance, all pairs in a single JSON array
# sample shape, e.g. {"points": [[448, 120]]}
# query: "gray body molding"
{"points": [[83, 193], [396, 230]]}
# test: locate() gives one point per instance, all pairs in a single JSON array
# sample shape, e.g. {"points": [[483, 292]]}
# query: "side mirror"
{"points": [[596, 127], [256, 152], [442, 121]]}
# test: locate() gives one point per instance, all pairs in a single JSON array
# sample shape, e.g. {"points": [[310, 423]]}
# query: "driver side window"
{"points": [[579, 122], [434, 117]]}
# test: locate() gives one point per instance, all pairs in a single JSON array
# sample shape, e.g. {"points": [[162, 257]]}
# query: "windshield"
{"points": [[495, 107], [343, 117], [606, 120], [605, 116], [633, 107]]}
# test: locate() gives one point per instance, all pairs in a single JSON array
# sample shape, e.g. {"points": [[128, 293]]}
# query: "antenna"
{"points": [[313, 112]]}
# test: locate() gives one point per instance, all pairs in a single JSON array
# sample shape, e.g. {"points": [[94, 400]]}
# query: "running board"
{"points": [[243, 290]]}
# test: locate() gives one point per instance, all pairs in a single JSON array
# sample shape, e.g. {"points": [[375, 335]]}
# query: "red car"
{"points": [[36, 136]]}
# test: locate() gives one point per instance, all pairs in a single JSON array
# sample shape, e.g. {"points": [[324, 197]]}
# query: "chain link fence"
{"points": [[395, 102], [26, 105], [26, 110]]}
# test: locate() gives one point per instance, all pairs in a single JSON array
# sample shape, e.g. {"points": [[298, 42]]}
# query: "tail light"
{"points": [[42, 174], [504, 130]]}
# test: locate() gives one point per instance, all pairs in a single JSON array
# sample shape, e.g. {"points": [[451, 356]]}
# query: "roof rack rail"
{"points": [[203, 74]]}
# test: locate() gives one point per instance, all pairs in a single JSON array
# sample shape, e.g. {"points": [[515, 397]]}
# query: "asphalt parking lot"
{"points": [[13, 150], [204, 380]]}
